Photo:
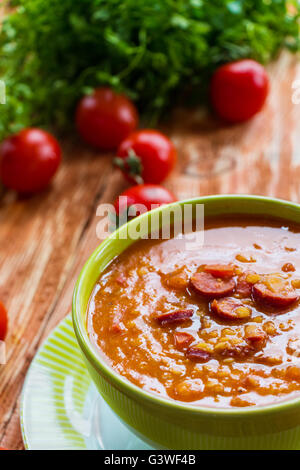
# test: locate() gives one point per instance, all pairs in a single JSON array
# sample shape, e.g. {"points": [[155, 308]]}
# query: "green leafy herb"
{"points": [[53, 52]]}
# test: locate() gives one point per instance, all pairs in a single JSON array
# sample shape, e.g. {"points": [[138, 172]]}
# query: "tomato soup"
{"points": [[216, 326]]}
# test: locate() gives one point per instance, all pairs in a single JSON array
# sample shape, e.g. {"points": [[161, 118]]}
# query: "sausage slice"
{"points": [[183, 339], [243, 288], [220, 270], [196, 354], [209, 286], [245, 282], [274, 298], [174, 317], [230, 308]]}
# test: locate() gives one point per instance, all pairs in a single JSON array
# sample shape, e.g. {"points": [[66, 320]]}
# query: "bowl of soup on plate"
{"points": [[199, 348]]}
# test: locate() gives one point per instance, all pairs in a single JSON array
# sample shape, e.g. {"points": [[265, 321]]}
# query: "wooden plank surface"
{"points": [[45, 240]]}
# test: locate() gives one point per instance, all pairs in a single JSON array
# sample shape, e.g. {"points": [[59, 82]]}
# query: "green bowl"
{"points": [[175, 425]]}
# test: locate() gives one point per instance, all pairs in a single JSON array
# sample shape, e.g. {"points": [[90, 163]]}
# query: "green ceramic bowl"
{"points": [[175, 425]]}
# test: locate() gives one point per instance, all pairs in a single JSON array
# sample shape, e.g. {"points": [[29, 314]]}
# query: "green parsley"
{"points": [[156, 51]]}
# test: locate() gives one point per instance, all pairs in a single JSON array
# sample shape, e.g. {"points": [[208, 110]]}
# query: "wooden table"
{"points": [[44, 240]]}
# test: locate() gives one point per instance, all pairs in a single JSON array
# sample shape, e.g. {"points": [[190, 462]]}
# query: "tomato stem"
{"points": [[132, 165]]}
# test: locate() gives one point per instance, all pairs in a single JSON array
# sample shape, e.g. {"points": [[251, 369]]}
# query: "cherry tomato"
{"points": [[29, 160], [239, 90], [146, 156], [3, 322], [105, 118], [145, 194]]}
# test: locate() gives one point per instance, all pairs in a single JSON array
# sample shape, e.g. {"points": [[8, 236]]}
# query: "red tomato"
{"points": [[146, 194], [105, 118], [3, 322], [146, 156], [239, 90], [29, 160]]}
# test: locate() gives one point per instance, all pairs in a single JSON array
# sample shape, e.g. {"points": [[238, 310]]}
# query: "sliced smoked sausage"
{"points": [[220, 270], [174, 317], [196, 354], [230, 308], [275, 298], [245, 282], [209, 286], [183, 339]]}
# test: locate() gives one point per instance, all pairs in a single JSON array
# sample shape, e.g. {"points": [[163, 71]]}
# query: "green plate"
{"points": [[61, 408]]}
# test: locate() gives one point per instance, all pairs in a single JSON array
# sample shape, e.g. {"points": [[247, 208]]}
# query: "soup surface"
{"points": [[217, 326]]}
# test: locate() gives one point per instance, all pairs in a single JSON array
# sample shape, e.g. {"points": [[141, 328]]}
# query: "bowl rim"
{"points": [[122, 383]]}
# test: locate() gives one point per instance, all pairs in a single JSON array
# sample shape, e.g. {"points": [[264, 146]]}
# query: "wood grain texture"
{"points": [[45, 240]]}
